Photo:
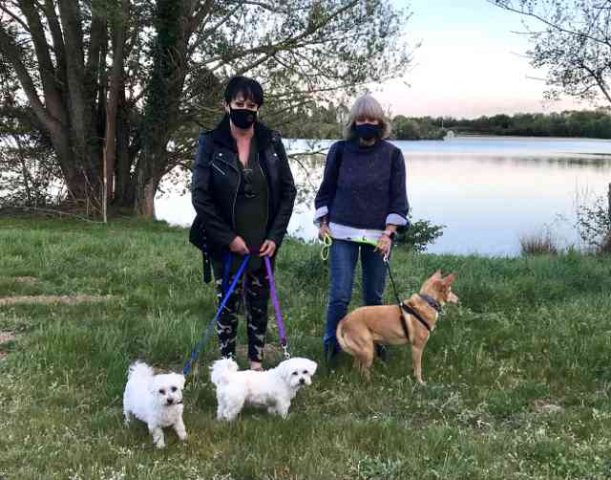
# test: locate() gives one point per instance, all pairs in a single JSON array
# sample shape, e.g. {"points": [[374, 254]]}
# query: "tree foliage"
{"points": [[592, 124], [593, 222], [128, 84], [326, 121], [423, 128], [573, 44]]}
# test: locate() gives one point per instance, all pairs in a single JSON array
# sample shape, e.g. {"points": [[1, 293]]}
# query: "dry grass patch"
{"points": [[545, 407], [5, 337], [26, 280], [538, 244], [54, 299]]}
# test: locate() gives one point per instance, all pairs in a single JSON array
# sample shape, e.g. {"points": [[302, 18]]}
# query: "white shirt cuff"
{"points": [[396, 219]]}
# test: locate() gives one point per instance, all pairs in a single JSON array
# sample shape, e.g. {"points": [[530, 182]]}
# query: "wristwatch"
{"points": [[390, 234]]}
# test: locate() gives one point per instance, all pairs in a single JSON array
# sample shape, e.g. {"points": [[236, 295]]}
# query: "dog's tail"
{"points": [[140, 369], [221, 370], [344, 340]]}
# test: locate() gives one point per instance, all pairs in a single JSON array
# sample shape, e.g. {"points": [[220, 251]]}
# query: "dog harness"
{"points": [[409, 310], [406, 308]]}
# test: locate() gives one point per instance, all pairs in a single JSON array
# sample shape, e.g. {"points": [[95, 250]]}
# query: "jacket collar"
{"points": [[222, 135]]}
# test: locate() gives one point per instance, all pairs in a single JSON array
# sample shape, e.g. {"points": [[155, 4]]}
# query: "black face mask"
{"points": [[368, 131], [242, 117]]}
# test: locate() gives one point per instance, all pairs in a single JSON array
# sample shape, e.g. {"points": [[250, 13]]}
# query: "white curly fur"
{"points": [[272, 389], [156, 400]]}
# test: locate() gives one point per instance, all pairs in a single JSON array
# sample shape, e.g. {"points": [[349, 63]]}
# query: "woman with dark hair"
{"points": [[360, 204], [243, 192]]}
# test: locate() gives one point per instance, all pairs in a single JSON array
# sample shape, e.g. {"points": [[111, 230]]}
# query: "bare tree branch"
{"points": [[10, 51]]}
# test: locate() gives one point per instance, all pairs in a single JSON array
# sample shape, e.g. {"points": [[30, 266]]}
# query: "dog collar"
{"points": [[431, 301]]}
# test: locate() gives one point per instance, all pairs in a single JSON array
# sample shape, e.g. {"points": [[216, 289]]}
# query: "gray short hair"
{"points": [[368, 107]]}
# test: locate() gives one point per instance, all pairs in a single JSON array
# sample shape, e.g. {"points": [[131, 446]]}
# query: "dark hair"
{"points": [[249, 88]]}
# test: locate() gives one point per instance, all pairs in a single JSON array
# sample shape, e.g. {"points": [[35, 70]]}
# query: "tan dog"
{"points": [[360, 330]]}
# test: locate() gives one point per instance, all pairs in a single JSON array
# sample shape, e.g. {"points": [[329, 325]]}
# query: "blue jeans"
{"points": [[344, 255]]}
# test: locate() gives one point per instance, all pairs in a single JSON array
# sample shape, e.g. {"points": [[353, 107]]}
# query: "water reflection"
{"points": [[488, 192]]}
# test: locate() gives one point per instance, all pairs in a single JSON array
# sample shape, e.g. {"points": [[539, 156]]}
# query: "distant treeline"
{"points": [[592, 124], [327, 121]]}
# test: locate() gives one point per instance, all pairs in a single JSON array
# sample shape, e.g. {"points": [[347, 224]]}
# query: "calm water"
{"points": [[487, 191]]}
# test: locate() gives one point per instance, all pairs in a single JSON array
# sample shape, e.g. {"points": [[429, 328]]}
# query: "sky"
{"points": [[472, 61]]}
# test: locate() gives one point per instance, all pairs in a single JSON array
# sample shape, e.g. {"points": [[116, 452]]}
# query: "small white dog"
{"points": [[273, 389], [154, 399]]}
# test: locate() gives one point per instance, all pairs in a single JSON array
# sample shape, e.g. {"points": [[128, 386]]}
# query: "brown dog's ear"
{"points": [[449, 279], [437, 274]]}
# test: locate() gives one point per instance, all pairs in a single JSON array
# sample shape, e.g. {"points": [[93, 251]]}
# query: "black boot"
{"points": [[331, 354]]}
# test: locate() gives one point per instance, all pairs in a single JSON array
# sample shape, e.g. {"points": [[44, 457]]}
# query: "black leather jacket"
{"points": [[216, 180]]}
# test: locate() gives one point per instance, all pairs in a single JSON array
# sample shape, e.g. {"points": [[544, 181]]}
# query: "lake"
{"points": [[487, 191]]}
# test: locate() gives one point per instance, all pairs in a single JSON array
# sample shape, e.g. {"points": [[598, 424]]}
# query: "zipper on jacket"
{"points": [[268, 195], [217, 168], [235, 197]]}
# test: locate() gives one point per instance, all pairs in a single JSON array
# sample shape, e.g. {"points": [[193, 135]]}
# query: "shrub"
{"points": [[419, 235], [541, 244], [594, 224]]}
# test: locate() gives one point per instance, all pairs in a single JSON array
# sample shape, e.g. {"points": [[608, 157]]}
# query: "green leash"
{"points": [[327, 241]]}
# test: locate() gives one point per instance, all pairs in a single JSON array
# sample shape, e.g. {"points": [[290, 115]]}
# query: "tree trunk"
{"points": [[124, 184], [117, 85], [162, 101], [144, 201]]}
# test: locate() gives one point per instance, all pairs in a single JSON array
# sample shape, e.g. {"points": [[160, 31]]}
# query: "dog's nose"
{"points": [[170, 401], [302, 381]]}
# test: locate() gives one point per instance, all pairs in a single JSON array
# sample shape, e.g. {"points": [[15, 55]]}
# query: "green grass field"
{"points": [[519, 375]]}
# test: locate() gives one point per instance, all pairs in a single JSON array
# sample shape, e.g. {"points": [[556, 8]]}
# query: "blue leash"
{"points": [[200, 345]]}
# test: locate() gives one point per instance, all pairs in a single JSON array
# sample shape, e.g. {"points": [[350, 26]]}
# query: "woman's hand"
{"points": [[384, 245], [323, 231], [238, 246], [267, 249]]}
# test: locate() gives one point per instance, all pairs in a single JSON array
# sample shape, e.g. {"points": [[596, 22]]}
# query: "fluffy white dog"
{"points": [[273, 389], [156, 400]]}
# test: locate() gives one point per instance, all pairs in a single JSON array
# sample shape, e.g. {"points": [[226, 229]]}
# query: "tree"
{"points": [[127, 84], [574, 44]]}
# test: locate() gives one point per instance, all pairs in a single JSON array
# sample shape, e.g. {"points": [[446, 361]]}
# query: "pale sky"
{"points": [[472, 62]]}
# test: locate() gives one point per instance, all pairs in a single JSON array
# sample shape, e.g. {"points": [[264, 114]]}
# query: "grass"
{"points": [[518, 376], [538, 244]]}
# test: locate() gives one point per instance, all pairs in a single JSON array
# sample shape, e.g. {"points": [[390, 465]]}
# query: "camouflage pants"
{"points": [[252, 291]]}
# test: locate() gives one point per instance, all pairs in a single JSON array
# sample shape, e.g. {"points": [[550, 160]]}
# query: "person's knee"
{"points": [[340, 293], [373, 296], [372, 300], [339, 300]]}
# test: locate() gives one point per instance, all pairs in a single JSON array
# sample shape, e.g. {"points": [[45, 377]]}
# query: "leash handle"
{"points": [[276, 303], [200, 345], [327, 241]]}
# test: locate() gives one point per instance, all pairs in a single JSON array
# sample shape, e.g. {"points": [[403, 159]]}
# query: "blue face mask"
{"points": [[368, 131]]}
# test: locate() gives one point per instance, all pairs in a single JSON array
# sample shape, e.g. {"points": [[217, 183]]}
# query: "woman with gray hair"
{"points": [[361, 202]]}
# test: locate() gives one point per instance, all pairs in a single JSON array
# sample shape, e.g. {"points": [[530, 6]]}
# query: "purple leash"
{"points": [[276, 303]]}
